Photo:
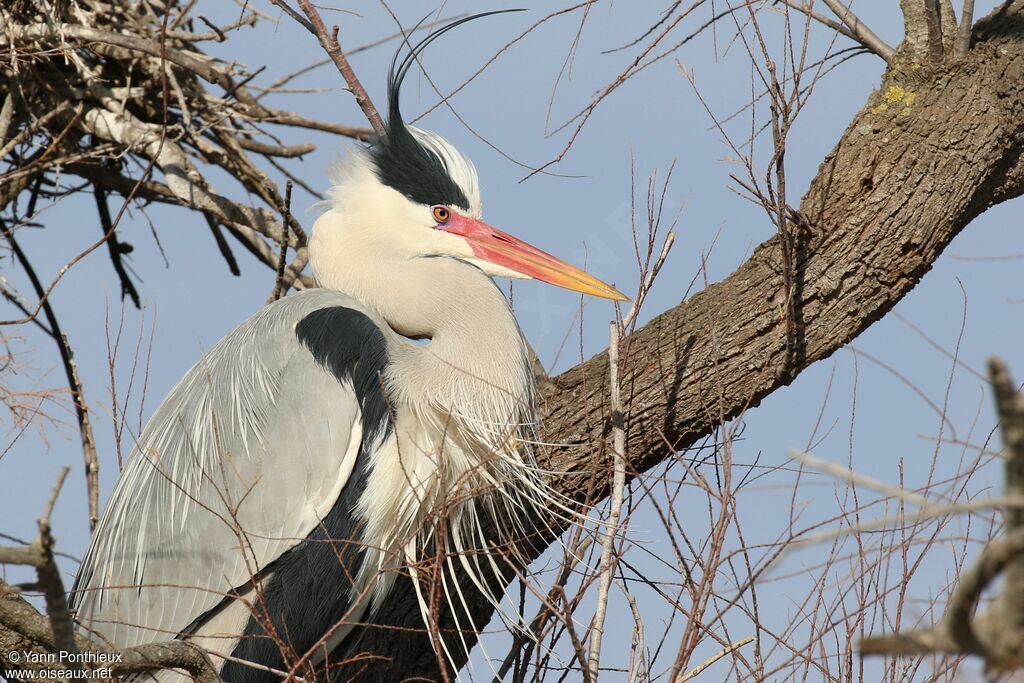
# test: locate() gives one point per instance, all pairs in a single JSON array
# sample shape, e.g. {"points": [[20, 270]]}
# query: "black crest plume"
{"points": [[402, 161]]}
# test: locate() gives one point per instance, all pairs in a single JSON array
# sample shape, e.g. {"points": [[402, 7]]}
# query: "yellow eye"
{"points": [[441, 214]]}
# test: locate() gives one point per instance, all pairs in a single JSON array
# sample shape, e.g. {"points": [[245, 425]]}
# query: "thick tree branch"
{"points": [[899, 186], [902, 182]]}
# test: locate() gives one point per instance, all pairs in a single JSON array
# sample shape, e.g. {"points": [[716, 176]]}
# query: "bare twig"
{"points": [[698, 670], [638, 670], [851, 26], [865, 35], [611, 525], [996, 634], [858, 479], [329, 42], [963, 34], [280, 287], [92, 463], [49, 577], [40, 556]]}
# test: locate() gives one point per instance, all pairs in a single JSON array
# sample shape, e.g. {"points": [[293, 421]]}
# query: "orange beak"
{"points": [[497, 247]]}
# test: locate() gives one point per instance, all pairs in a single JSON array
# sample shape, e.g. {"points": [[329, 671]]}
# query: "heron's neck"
{"points": [[475, 362]]}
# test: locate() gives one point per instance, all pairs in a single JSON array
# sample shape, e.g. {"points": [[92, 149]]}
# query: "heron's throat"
{"points": [[475, 361]]}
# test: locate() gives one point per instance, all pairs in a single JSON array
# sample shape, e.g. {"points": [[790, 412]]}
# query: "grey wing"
{"points": [[240, 462]]}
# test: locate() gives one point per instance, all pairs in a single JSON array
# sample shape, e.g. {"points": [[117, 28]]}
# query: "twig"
{"points": [[607, 569], [279, 283], [329, 42], [865, 35], [637, 663], [634, 310], [222, 245], [839, 472], [836, 26], [963, 34], [698, 670], [275, 150], [115, 248], [92, 463], [129, 42], [50, 581], [572, 558], [606, 566], [40, 556], [995, 635], [851, 26]]}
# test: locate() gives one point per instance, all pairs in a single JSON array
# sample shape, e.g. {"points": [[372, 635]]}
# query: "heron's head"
{"points": [[412, 195]]}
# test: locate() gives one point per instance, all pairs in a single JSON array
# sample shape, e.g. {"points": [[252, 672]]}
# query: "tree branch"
{"points": [[329, 42], [25, 630], [922, 29], [870, 230], [67, 356], [862, 33], [963, 35], [997, 634]]}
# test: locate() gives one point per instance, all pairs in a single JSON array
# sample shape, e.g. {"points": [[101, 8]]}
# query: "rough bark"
{"points": [[932, 149]]}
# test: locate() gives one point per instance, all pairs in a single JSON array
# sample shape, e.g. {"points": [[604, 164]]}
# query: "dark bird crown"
{"points": [[402, 160]]}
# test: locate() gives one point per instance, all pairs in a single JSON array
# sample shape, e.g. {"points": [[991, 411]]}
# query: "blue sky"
{"points": [[653, 121]]}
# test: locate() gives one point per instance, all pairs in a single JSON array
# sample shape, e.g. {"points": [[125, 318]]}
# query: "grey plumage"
{"points": [[259, 419], [304, 461]]}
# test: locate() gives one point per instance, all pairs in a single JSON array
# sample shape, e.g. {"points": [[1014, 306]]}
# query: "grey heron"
{"points": [[279, 487]]}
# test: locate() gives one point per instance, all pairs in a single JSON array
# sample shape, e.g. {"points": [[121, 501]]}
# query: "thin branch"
{"points": [[995, 635], [49, 578], [115, 247], [836, 26], [279, 282], [865, 35], [701, 668], [963, 34], [222, 245], [329, 42], [275, 150], [129, 42], [67, 356], [173, 655], [40, 556], [851, 26], [607, 566]]}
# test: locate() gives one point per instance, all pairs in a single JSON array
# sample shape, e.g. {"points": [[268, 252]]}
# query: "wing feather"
{"points": [[243, 458]]}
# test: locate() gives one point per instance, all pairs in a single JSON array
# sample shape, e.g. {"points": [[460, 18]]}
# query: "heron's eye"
{"points": [[441, 214]]}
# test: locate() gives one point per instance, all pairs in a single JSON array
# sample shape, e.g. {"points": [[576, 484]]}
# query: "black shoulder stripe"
{"points": [[352, 348], [310, 589]]}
